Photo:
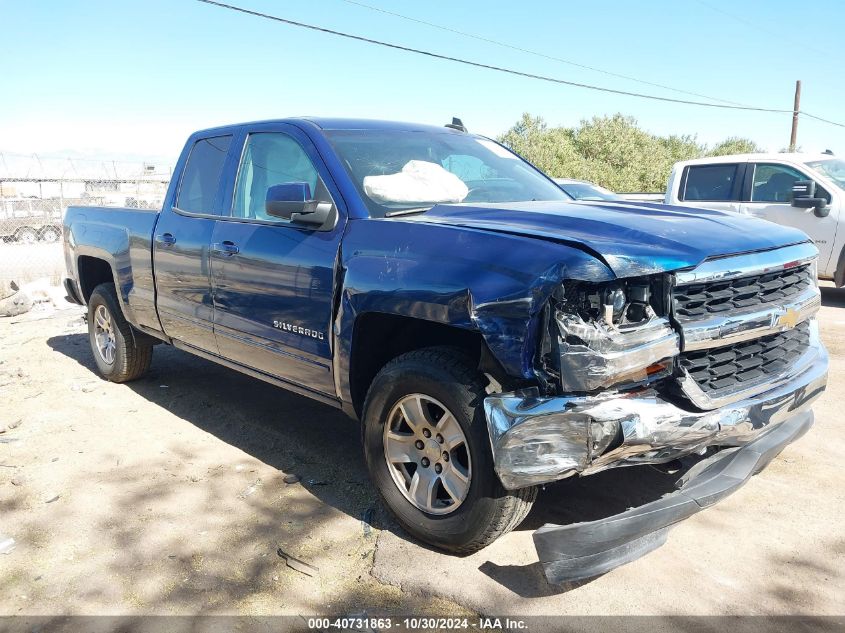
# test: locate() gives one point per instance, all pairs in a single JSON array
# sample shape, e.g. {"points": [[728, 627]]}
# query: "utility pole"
{"points": [[796, 109]]}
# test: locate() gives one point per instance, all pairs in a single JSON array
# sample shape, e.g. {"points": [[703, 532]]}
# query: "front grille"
{"points": [[735, 367], [702, 300]]}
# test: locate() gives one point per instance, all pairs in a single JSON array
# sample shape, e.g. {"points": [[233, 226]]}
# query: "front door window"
{"points": [[773, 183], [270, 158]]}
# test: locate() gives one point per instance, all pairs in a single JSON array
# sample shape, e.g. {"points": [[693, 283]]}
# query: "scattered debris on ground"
{"points": [[296, 564], [7, 544], [366, 521], [250, 490]]}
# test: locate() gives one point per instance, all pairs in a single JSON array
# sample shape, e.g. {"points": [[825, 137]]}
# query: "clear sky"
{"points": [[132, 78]]}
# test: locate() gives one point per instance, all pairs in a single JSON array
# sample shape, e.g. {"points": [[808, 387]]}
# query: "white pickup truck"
{"points": [[804, 191]]}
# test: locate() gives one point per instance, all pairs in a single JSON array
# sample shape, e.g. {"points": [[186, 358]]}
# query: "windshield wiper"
{"points": [[393, 214]]}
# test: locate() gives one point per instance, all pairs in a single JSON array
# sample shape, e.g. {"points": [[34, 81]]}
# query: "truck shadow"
{"points": [[578, 500], [321, 446]]}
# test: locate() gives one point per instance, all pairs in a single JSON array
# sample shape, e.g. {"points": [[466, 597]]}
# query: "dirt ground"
{"points": [[171, 495]]}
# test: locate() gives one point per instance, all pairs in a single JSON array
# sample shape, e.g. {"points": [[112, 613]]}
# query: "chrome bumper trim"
{"points": [[538, 440]]}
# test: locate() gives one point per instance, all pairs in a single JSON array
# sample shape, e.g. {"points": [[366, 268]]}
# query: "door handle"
{"points": [[166, 239], [226, 248]]}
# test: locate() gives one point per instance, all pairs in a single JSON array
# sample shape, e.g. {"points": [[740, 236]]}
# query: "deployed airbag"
{"points": [[419, 182]]}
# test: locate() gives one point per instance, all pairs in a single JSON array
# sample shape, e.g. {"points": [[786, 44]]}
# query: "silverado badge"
{"points": [[296, 329]]}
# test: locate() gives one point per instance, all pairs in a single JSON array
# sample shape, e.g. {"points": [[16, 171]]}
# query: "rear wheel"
{"points": [[121, 355], [428, 452]]}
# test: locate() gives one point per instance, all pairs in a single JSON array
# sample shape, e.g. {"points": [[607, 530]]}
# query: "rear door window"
{"points": [[201, 176], [713, 183]]}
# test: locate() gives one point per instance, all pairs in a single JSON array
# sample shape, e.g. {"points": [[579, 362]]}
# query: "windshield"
{"points": [[396, 170], [833, 168], [587, 191]]}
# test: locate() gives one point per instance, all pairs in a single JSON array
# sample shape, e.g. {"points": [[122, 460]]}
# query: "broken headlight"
{"points": [[614, 333]]}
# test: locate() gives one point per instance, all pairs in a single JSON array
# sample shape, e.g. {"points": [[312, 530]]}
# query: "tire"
{"points": [[50, 235], [120, 355], [26, 235], [439, 378]]}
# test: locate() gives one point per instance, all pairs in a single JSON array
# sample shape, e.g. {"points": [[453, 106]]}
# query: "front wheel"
{"points": [[119, 353], [428, 452]]}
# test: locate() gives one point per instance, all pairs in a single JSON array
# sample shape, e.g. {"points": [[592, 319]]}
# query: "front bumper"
{"points": [[583, 550], [538, 440]]}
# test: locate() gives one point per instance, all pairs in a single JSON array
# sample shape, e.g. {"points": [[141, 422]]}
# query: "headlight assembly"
{"points": [[611, 334]]}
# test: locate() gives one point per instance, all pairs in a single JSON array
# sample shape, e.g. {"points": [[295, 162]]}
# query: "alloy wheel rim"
{"points": [[104, 334], [427, 454]]}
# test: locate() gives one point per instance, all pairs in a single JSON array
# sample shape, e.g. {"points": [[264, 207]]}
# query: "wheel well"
{"points": [[839, 273], [92, 272], [379, 338]]}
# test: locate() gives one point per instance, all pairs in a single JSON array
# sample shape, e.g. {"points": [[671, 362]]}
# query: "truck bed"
{"points": [[122, 237]]}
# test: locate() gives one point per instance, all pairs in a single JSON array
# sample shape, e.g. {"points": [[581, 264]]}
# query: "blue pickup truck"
{"points": [[490, 334]]}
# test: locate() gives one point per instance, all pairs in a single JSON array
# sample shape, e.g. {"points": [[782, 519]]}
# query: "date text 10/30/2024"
{"points": [[417, 623]]}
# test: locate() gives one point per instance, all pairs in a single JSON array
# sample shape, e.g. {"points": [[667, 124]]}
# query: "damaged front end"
{"points": [[604, 340], [725, 357]]}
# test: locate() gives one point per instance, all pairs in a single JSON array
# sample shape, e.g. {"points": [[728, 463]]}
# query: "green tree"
{"points": [[734, 145], [611, 151]]}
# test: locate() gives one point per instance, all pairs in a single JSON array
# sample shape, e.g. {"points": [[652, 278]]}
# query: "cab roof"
{"points": [[333, 123], [374, 124], [787, 157]]}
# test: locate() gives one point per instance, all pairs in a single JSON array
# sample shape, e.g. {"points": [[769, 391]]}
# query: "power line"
{"points": [[755, 25], [728, 105], [738, 18], [818, 118], [501, 69], [488, 40]]}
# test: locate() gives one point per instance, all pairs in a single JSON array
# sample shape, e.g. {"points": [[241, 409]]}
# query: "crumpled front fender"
{"points": [[493, 283]]}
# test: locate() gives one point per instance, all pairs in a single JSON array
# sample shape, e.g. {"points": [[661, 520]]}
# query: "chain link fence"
{"points": [[31, 212]]}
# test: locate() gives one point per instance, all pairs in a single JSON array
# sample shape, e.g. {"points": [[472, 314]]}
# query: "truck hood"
{"points": [[631, 238]]}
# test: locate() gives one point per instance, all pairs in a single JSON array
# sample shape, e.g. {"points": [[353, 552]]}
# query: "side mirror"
{"points": [[804, 197], [803, 189], [284, 200], [292, 201]]}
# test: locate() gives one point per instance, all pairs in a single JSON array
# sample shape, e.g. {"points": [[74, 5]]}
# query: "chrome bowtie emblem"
{"points": [[788, 319]]}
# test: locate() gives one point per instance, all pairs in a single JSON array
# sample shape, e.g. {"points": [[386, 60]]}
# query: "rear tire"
{"points": [[121, 355], [442, 379]]}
